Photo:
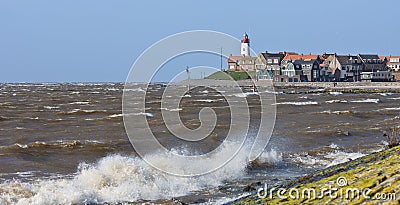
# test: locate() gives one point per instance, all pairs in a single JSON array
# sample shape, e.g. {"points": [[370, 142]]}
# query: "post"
{"points": [[221, 58], [188, 77]]}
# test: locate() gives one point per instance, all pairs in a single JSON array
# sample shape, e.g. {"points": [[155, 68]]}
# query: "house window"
{"points": [[276, 61], [244, 49]]}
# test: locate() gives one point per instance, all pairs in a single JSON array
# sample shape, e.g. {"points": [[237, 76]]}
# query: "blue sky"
{"points": [[98, 40]]}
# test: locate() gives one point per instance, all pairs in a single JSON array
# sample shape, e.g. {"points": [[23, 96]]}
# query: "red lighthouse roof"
{"points": [[246, 38]]}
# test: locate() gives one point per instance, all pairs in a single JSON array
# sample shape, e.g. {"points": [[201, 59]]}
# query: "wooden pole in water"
{"points": [[188, 77]]}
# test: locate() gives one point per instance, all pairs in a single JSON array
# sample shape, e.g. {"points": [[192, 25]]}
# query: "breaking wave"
{"points": [[119, 179], [333, 156]]}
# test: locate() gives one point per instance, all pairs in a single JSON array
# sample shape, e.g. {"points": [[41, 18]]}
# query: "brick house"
{"points": [[241, 63]]}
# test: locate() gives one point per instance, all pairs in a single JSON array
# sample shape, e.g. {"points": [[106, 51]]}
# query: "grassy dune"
{"points": [[360, 181]]}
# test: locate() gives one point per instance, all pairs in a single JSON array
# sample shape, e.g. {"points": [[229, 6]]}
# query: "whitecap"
{"points": [[335, 101], [243, 95], [392, 108], [206, 100], [79, 103], [172, 110], [51, 107], [335, 93], [297, 103], [385, 94], [134, 90], [147, 114], [366, 101], [270, 157], [116, 115]]}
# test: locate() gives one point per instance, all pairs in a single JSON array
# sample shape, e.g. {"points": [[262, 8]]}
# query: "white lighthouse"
{"points": [[245, 48]]}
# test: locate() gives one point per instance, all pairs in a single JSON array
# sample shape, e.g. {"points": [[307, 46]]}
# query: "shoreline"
{"points": [[347, 87], [361, 180]]}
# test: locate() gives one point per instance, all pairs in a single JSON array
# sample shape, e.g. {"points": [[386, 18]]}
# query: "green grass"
{"points": [[236, 75]]}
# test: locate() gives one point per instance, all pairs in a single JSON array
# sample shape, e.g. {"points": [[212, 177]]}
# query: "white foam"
{"points": [[366, 101], [339, 157], [297, 103], [392, 108], [336, 101], [145, 114], [270, 157], [337, 112], [206, 100], [172, 110], [51, 107], [79, 103], [135, 90], [116, 115], [385, 94], [112, 89], [80, 110], [243, 95], [335, 93], [328, 159], [274, 92], [117, 178]]}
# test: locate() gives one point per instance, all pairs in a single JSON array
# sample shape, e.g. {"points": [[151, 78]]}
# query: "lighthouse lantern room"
{"points": [[245, 48]]}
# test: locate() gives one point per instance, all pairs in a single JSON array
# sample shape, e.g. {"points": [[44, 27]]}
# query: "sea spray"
{"points": [[117, 178]]}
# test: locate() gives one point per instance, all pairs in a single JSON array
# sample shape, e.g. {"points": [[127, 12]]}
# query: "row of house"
{"points": [[294, 67]]}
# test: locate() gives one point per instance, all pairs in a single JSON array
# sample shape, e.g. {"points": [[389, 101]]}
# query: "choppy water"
{"points": [[66, 143]]}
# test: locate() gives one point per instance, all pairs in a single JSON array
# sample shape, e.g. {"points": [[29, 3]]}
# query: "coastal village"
{"points": [[327, 67]]}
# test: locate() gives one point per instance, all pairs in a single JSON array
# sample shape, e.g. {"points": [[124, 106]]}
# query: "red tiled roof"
{"points": [[307, 57], [388, 59]]}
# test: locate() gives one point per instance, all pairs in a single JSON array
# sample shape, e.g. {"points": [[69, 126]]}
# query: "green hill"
{"points": [[236, 75]]}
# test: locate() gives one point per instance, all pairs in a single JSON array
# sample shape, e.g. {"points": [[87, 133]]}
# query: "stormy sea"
{"points": [[65, 143]]}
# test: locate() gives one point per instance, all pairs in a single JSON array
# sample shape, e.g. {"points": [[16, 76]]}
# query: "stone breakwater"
{"points": [[347, 87], [372, 179]]}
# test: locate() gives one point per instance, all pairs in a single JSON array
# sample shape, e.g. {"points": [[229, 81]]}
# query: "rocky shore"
{"points": [[372, 179]]}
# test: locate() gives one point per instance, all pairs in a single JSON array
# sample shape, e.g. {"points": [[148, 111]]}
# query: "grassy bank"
{"points": [[363, 180], [236, 75]]}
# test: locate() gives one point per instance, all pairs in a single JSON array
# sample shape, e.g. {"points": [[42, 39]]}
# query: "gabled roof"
{"points": [[273, 55], [301, 62], [369, 56], [347, 59], [307, 57], [326, 55], [390, 57]]}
